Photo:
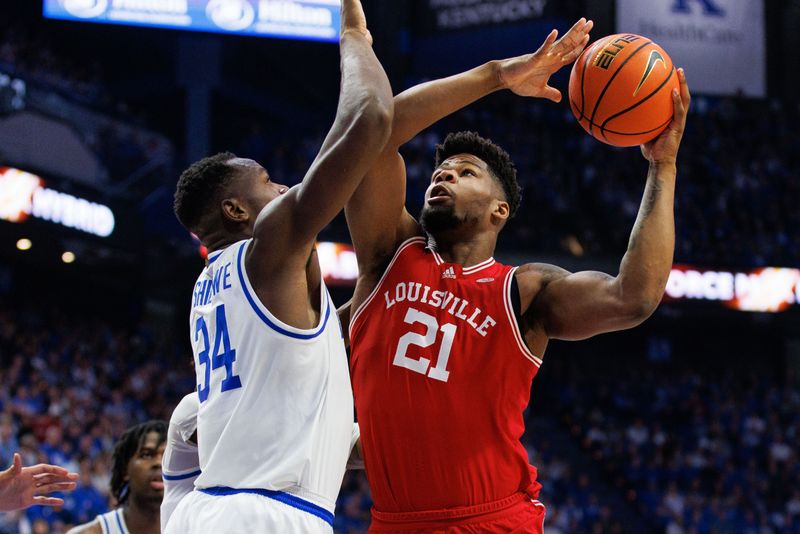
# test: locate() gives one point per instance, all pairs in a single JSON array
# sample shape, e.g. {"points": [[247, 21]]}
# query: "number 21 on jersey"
{"points": [[421, 365], [223, 358]]}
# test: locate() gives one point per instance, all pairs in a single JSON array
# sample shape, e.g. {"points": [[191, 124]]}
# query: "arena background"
{"points": [[689, 423]]}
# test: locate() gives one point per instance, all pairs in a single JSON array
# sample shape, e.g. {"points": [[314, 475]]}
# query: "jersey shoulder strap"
{"points": [[408, 243]]}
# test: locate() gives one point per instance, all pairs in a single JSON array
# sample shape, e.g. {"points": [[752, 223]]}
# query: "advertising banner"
{"points": [[767, 289], [720, 43], [23, 195], [316, 20]]}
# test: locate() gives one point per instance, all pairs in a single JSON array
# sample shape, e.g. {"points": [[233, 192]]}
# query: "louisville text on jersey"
{"points": [[456, 306]]}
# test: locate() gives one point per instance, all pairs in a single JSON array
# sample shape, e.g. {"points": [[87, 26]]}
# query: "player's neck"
{"points": [[217, 242], [142, 516], [466, 252]]}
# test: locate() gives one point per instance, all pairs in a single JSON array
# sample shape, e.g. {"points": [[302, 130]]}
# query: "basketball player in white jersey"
{"points": [[181, 462], [275, 421], [136, 483]]}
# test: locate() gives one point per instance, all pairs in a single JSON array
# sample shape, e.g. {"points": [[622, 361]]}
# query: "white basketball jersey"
{"points": [[180, 465], [276, 407], [113, 522]]}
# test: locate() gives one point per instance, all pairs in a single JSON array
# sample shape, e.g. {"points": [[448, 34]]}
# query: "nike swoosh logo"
{"points": [[655, 57]]}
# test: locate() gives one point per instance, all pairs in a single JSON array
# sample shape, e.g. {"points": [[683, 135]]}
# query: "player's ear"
{"points": [[501, 212], [234, 211]]}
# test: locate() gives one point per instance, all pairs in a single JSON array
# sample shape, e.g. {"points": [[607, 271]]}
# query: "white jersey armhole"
{"points": [[267, 317]]}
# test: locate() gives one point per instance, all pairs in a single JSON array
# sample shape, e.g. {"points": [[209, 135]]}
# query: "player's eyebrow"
{"points": [[451, 163]]}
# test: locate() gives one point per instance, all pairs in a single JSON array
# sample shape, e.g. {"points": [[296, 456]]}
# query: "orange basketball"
{"points": [[620, 89]]}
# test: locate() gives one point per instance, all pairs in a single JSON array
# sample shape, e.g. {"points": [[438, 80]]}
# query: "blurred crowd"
{"points": [[71, 386], [692, 453]]}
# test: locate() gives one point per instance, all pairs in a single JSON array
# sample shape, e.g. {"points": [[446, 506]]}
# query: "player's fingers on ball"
{"points": [[678, 103], [685, 94], [679, 113]]}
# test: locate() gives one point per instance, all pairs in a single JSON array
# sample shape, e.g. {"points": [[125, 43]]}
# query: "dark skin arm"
{"points": [[563, 305], [283, 268], [376, 214]]}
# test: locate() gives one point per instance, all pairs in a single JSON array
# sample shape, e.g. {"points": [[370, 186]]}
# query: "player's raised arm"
{"points": [[583, 304], [375, 214], [359, 133]]}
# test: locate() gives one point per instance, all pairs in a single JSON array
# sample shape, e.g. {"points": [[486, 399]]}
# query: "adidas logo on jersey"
{"points": [[449, 273]]}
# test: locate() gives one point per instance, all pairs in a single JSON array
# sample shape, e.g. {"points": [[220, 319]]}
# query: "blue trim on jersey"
{"points": [[266, 319], [285, 498], [215, 257], [105, 521], [119, 521], [180, 477]]}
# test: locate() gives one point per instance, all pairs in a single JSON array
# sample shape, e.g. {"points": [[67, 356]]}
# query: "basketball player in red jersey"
{"points": [[445, 340]]}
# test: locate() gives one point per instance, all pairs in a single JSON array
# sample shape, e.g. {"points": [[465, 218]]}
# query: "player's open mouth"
{"points": [[439, 193]]}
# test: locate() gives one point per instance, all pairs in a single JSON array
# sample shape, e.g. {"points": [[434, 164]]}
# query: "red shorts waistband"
{"points": [[482, 511]]}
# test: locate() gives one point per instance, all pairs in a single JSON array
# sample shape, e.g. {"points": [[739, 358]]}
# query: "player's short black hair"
{"points": [[127, 446], [496, 158], [199, 187]]}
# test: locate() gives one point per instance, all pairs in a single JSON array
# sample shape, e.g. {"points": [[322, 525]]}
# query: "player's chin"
{"points": [[438, 217]]}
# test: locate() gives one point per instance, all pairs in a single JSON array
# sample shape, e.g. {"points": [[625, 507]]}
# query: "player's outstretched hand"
{"points": [[664, 148], [353, 19], [528, 75], [21, 487]]}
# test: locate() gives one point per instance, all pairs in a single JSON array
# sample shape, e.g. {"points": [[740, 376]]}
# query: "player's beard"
{"points": [[438, 219]]}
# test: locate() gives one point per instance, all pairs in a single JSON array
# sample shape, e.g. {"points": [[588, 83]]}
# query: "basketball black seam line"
{"points": [[641, 133], [583, 79], [603, 92], [656, 90], [633, 133]]}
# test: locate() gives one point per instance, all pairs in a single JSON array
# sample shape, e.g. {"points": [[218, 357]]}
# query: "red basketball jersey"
{"points": [[441, 377]]}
